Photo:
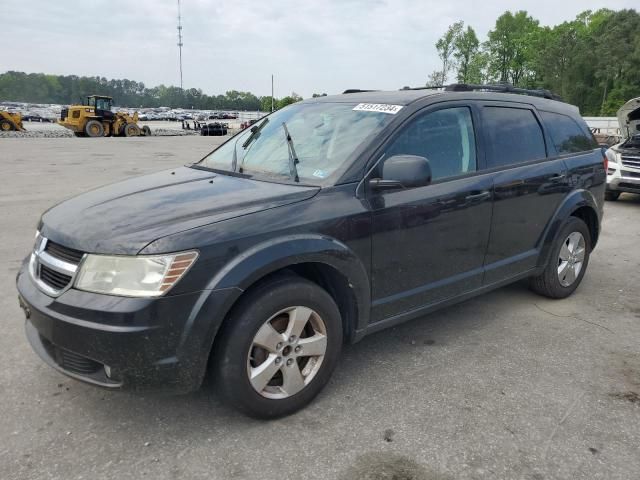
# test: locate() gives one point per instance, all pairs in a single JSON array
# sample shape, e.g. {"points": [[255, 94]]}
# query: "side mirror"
{"points": [[403, 171]]}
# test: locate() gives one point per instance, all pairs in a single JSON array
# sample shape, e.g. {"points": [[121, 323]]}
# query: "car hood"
{"points": [[124, 217], [629, 118]]}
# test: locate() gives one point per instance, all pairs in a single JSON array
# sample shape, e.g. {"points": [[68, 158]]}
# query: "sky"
{"points": [[308, 45]]}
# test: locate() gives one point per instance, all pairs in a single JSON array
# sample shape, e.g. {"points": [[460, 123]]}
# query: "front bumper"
{"points": [[621, 178], [120, 342]]}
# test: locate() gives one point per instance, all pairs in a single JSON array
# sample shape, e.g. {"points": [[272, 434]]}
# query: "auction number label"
{"points": [[378, 107]]}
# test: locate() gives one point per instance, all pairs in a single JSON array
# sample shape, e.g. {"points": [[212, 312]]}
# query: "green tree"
{"points": [[465, 50], [510, 47], [446, 47], [288, 100]]}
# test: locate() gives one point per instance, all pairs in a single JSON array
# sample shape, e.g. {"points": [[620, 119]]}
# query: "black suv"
{"points": [[327, 220]]}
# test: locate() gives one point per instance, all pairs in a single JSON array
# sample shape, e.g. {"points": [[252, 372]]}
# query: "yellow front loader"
{"points": [[10, 122], [95, 119]]}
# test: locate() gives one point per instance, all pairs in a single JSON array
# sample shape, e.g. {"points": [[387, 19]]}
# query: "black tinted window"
{"points": [[514, 135], [567, 135], [444, 137]]}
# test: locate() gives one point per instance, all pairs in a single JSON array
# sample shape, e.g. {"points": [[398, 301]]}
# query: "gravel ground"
{"points": [[505, 386]]}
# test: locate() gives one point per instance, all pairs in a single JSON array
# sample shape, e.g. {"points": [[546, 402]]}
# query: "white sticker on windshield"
{"points": [[378, 107]]}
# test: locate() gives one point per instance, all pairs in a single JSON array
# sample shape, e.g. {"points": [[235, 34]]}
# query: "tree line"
{"points": [[592, 61], [72, 89]]}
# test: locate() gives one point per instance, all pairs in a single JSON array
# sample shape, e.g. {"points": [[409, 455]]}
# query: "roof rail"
{"points": [[357, 90], [504, 88]]}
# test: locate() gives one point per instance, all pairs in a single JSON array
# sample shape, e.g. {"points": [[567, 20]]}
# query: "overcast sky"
{"points": [[310, 46]]}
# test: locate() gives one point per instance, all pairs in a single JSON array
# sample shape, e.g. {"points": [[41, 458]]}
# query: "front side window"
{"points": [[514, 136], [323, 137], [566, 134], [444, 137]]}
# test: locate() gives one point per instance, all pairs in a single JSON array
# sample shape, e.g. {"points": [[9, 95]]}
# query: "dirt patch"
{"points": [[632, 397], [389, 466]]}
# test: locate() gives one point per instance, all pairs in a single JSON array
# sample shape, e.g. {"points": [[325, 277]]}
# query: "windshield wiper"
{"points": [[293, 157], [255, 133]]}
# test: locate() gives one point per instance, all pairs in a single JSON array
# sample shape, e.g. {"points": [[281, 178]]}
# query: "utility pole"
{"points": [[180, 42], [272, 92]]}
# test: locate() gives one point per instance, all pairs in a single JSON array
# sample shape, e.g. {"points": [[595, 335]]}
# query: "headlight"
{"points": [[611, 155], [135, 276]]}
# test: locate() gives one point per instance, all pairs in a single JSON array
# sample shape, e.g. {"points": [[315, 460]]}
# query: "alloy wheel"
{"points": [[571, 259], [287, 352]]}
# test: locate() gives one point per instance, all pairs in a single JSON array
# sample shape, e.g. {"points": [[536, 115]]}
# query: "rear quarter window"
{"points": [[514, 135], [567, 135]]}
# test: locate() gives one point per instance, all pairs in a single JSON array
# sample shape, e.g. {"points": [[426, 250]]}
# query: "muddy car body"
{"points": [[328, 220]]}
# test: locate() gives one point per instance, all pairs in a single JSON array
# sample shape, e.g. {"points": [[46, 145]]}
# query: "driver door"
{"points": [[429, 242]]}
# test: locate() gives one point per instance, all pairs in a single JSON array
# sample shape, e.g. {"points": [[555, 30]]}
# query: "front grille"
{"points": [[63, 253], [53, 266], [54, 279], [631, 186], [633, 162]]}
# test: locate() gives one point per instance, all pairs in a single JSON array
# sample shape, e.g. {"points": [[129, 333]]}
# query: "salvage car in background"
{"points": [[213, 130], [623, 173]]}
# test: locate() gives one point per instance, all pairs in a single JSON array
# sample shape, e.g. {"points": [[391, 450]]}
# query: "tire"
{"points": [[146, 131], [611, 195], [94, 129], [238, 352], [563, 274], [6, 126], [131, 130]]}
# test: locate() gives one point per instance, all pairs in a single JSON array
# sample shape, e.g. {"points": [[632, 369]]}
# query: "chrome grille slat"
{"points": [[63, 253], [53, 266], [633, 162]]}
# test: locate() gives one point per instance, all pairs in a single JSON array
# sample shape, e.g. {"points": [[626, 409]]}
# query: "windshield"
{"points": [[324, 136]]}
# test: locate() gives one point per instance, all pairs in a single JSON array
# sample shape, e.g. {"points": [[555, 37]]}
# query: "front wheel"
{"points": [[278, 348], [567, 263], [131, 130]]}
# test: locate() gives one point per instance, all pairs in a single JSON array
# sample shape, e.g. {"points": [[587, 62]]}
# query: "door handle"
{"points": [[557, 178], [474, 197]]}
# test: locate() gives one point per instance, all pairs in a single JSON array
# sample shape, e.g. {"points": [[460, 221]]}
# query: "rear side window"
{"points": [[566, 134], [514, 136]]}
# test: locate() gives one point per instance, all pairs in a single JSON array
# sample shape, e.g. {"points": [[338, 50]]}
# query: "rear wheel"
{"points": [[6, 126], [131, 130], [567, 263], [278, 347], [94, 128], [611, 195]]}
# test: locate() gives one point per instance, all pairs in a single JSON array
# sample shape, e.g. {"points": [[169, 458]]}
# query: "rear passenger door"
{"points": [[527, 187]]}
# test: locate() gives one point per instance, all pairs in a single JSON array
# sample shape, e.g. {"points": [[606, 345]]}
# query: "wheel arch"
{"points": [[581, 204], [323, 260]]}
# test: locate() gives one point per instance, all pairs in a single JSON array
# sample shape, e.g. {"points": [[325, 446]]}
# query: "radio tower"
{"points": [[180, 41]]}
